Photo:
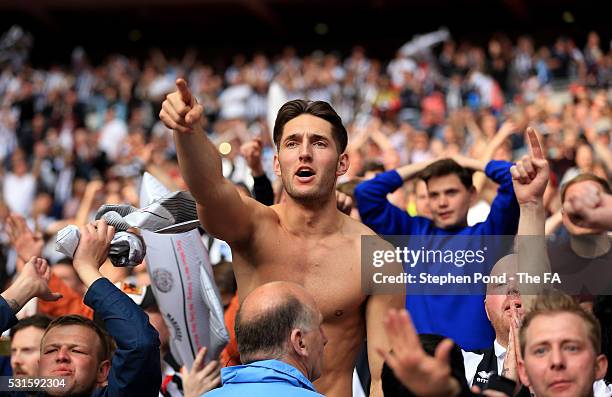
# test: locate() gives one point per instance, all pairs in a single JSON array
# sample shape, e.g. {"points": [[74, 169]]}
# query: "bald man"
{"points": [[280, 340], [504, 309]]}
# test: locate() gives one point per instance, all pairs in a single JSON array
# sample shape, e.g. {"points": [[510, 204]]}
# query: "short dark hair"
{"points": [[371, 166], [585, 177], [265, 335], [321, 109], [106, 341], [447, 167], [39, 321]]}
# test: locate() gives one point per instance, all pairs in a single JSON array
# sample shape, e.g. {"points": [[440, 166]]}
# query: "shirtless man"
{"points": [[305, 239]]}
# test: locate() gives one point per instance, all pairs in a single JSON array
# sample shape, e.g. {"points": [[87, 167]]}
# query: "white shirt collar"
{"points": [[500, 351]]}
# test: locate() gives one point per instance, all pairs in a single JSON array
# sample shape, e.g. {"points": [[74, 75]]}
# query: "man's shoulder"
{"points": [[263, 216], [274, 211], [258, 208], [358, 233], [269, 378], [355, 228]]}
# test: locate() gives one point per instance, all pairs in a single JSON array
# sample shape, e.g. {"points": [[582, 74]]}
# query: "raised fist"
{"points": [[251, 151], [589, 207]]}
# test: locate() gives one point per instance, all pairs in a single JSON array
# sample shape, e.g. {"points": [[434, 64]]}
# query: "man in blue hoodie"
{"points": [[450, 190], [280, 341]]}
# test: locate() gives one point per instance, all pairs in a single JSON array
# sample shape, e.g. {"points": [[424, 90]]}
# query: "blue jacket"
{"points": [[135, 368], [268, 378], [7, 317], [442, 314]]}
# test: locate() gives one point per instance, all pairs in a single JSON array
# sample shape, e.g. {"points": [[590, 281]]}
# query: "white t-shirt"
{"points": [[111, 136], [478, 213], [233, 101], [18, 193]]}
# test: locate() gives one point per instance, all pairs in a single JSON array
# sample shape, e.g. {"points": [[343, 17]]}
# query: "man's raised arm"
{"points": [[32, 281], [383, 298], [409, 171], [221, 210], [376, 211], [377, 307], [530, 175], [135, 368]]}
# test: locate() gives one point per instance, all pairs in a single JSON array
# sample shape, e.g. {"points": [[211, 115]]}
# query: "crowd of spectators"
{"points": [[79, 135]]}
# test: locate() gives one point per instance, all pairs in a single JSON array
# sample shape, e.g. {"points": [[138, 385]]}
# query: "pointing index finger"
{"points": [[181, 84], [534, 144]]}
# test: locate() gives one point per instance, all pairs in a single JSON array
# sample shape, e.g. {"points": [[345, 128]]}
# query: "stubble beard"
{"points": [[501, 325], [315, 196]]}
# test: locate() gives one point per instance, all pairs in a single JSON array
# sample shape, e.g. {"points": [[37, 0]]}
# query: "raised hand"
{"points": [[94, 244], [94, 186], [32, 281], [145, 154], [422, 374], [36, 274], [589, 207], [180, 111], [513, 354], [506, 129], [92, 251], [344, 202], [530, 174], [201, 378], [26, 243], [251, 151], [470, 163]]}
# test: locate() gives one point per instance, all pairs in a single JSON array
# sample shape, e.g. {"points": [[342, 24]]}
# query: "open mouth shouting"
{"points": [[305, 174]]}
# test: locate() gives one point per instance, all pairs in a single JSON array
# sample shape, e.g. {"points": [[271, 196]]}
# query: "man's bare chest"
{"points": [[328, 268]]}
